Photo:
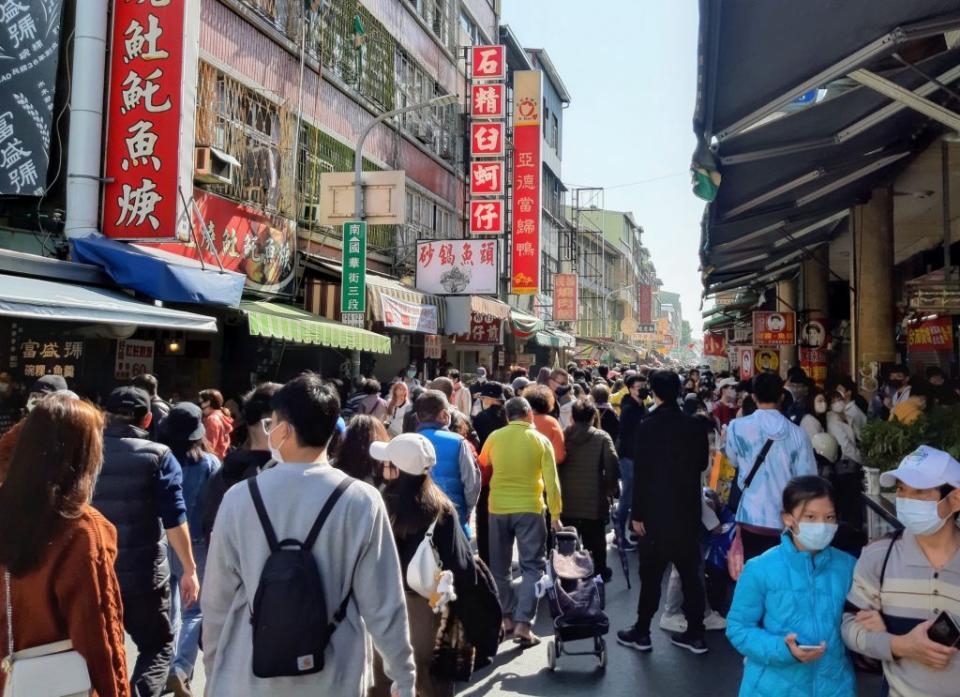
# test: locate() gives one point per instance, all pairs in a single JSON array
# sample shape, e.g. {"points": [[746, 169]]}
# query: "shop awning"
{"points": [[158, 274], [523, 325], [756, 57], [290, 323], [379, 287], [460, 308], [35, 298], [554, 339]]}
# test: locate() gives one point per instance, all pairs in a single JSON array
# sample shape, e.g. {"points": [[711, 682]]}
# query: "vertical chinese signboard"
{"points": [[645, 303], [29, 53], [525, 270], [565, 297], [813, 350], [353, 288], [714, 344], [141, 198], [488, 136]]}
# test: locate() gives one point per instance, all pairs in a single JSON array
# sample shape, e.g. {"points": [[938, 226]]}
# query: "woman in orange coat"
{"points": [[58, 550], [542, 401]]}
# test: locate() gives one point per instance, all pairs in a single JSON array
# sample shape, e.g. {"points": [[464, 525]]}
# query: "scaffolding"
{"points": [[583, 246]]}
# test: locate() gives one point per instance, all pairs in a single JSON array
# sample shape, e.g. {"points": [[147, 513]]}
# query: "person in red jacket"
{"points": [[217, 422]]}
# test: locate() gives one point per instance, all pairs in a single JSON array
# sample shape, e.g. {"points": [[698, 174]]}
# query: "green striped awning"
{"points": [[293, 324]]}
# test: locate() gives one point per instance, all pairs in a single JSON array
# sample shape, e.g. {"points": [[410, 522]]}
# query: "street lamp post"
{"points": [[445, 100], [358, 211]]}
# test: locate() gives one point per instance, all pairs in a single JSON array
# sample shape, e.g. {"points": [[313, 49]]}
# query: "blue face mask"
{"points": [[815, 536], [919, 517]]}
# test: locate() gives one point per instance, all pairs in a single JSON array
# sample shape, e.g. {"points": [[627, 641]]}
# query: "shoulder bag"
{"points": [[51, 670], [735, 557], [424, 569]]}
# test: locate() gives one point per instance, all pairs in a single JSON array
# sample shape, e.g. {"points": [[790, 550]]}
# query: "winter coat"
{"points": [[671, 451], [237, 466], [609, 421], [632, 413], [590, 470], [218, 427], [785, 591], [488, 421]]}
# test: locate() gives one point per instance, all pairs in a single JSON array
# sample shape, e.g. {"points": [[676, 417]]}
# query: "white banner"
{"points": [[134, 358], [409, 316], [458, 267]]}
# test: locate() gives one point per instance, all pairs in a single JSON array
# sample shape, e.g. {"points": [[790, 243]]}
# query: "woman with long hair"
{"points": [[57, 551], [814, 421], [183, 432], [397, 407], [414, 503], [353, 453]]}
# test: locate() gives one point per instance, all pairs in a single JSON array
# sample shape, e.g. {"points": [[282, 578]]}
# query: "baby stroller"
{"points": [[576, 599]]}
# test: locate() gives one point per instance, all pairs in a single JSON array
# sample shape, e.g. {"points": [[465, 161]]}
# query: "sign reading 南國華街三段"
{"points": [[353, 286]]}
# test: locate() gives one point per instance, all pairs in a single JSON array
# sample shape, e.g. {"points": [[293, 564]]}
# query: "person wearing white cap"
{"points": [[416, 507], [725, 410], [900, 587]]}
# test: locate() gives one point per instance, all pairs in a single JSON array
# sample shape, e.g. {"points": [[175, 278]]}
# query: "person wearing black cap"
{"points": [[183, 431], [490, 418], [140, 491], [158, 407]]}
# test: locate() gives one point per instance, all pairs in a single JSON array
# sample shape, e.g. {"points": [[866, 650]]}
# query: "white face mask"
{"points": [[919, 517], [815, 536], [275, 451], [837, 407]]}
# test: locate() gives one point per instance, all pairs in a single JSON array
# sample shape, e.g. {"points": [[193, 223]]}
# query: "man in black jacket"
{"points": [[140, 491], [158, 407], [672, 451], [632, 412], [492, 417]]}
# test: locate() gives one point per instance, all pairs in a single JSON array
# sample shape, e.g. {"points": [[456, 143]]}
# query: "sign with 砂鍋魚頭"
{"points": [[29, 54], [353, 286], [458, 267]]}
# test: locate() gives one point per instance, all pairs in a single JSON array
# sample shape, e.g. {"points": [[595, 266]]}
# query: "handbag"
{"points": [[50, 670], [453, 655], [424, 569]]}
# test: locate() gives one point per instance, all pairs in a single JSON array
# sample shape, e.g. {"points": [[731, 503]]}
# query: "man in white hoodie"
{"points": [[768, 451]]}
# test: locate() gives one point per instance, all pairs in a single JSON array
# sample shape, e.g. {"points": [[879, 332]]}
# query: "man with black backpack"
{"points": [[299, 556]]}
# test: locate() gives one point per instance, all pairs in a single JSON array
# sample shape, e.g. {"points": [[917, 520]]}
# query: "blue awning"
{"points": [[160, 275]]}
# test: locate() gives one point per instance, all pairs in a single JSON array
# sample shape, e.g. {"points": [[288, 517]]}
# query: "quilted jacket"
{"points": [[783, 592]]}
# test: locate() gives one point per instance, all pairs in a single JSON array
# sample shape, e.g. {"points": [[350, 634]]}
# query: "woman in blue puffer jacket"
{"points": [[787, 608]]}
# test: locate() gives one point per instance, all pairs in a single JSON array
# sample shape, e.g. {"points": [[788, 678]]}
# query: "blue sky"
{"points": [[631, 70]]}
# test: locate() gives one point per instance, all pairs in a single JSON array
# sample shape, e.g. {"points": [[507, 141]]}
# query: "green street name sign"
{"points": [[353, 288]]}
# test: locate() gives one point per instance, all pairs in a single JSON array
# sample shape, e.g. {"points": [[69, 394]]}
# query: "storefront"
{"points": [[475, 334]]}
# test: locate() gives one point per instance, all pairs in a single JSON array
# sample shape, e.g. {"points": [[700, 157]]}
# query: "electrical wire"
{"points": [[636, 183]]}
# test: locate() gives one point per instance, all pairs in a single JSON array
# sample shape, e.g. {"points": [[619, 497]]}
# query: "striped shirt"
{"points": [[913, 592]]}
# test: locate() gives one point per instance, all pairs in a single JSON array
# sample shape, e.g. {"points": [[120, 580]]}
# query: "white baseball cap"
{"points": [[924, 468], [409, 452], [727, 382]]}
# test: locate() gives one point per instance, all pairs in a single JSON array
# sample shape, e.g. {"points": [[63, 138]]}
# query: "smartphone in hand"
{"points": [[944, 630]]}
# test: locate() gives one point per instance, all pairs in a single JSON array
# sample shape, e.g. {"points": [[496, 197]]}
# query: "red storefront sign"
{"points": [[565, 297], [931, 335], [260, 247], [714, 344], [814, 362], [486, 178], [525, 276], [484, 329], [745, 359], [774, 329], [645, 301], [488, 63], [487, 139], [143, 117], [487, 100], [486, 217]]}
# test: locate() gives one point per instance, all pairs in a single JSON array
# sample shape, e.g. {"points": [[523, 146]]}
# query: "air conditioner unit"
{"points": [[212, 166], [310, 213]]}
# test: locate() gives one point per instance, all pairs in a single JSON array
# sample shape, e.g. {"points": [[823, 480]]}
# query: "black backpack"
{"points": [[291, 627]]}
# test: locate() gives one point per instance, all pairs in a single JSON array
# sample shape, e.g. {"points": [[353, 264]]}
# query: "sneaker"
{"points": [[693, 644], [673, 623], [712, 623], [635, 640]]}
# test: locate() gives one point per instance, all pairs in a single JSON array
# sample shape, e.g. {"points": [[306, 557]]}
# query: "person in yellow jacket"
{"points": [[911, 408], [520, 464]]}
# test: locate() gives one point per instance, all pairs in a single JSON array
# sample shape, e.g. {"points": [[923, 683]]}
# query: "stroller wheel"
{"points": [[602, 658], [551, 656]]}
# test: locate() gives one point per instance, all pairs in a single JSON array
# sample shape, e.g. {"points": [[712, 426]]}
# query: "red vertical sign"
{"points": [[525, 276], [645, 297], [143, 131], [565, 297]]}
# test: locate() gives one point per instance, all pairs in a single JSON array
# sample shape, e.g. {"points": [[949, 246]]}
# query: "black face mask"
{"points": [[896, 384], [644, 393]]}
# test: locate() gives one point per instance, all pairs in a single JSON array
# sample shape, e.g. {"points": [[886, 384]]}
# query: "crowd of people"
{"points": [[387, 539]]}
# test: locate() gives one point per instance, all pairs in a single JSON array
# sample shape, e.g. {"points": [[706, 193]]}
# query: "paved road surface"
{"points": [[667, 672]]}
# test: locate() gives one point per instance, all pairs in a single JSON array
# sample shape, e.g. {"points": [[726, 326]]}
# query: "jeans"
{"points": [[626, 497], [146, 617], [655, 556], [530, 532], [186, 621]]}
